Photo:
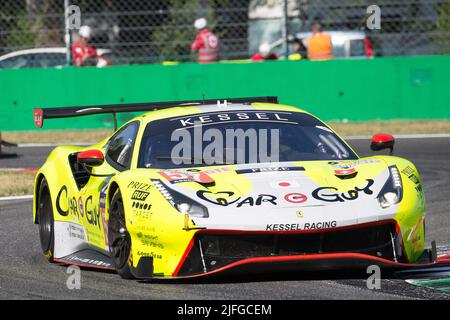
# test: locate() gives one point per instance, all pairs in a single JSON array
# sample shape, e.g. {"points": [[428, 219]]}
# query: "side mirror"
{"points": [[382, 141], [90, 158]]}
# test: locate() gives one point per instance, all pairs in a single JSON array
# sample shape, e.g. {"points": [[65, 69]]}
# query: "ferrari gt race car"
{"points": [[136, 204]]}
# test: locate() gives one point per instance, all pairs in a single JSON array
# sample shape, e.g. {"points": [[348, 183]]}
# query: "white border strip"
{"points": [[405, 136], [48, 145], [26, 197], [396, 136]]}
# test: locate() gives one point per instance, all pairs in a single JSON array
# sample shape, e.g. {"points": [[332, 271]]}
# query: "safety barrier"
{"points": [[366, 89]]}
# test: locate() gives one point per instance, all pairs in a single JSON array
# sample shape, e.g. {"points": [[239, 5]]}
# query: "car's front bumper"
{"points": [[214, 251]]}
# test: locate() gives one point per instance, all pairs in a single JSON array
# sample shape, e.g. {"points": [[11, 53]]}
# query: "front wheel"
{"points": [[118, 237], [46, 221]]}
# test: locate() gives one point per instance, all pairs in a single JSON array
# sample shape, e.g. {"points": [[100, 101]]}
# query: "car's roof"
{"points": [[61, 50], [192, 110], [31, 51], [335, 33], [337, 36]]}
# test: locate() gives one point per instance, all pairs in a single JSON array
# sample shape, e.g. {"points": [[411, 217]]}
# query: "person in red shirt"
{"points": [[81, 51], [264, 53], [206, 43]]}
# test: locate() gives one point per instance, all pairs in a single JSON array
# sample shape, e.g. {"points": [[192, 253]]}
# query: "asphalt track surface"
{"points": [[24, 274]]}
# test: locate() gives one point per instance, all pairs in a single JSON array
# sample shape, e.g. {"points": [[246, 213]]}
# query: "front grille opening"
{"points": [[215, 250]]}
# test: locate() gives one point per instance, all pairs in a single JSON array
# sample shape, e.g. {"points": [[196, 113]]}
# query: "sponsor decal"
{"points": [[330, 194], [223, 198], [212, 171], [269, 169], [190, 121], [149, 254], [305, 226], [409, 172], [150, 240], [102, 206], [139, 195], [320, 225], [344, 172], [70, 206], [284, 184], [80, 206], [283, 227], [206, 195], [262, 198], [38, 117], [92, 213], [174, 176], [142, 214], [348, 165], [300, 214], [139, 186], [295, 197], [140, 205], [76, 232], [89, 261]]}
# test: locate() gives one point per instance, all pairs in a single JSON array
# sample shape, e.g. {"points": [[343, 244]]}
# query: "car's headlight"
{"points": [[193, 210], [388, 199], [182, 203], [392, 191]]}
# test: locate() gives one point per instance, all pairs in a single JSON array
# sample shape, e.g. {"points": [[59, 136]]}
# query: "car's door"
{"points": [[118, 154]]}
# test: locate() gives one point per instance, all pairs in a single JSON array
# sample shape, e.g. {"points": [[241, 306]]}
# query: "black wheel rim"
{"points": [[119, 242], [45, 221]]}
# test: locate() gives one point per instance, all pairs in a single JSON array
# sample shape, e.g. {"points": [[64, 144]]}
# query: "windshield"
{"points": [[239, 137]]}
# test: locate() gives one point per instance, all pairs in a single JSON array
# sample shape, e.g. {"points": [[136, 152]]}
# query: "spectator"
{"points": [[264, 53], [81, 51], [300, 49], [319, 44], [206, 43]]}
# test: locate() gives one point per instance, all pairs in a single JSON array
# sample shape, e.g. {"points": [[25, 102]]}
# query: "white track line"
{"points": [[405, 136], [398, 136], [37, 145], [48, 145], [18, 169], [26, 197]]}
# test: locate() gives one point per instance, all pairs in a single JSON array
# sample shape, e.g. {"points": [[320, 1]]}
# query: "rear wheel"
{"points": [[46, 221], [118, 237]]}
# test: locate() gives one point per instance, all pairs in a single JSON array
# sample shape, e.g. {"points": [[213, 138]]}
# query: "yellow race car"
{"points": [[196, 188]]}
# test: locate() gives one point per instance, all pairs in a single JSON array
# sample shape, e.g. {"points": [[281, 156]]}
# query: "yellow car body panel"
{"points": [[161, 232]]}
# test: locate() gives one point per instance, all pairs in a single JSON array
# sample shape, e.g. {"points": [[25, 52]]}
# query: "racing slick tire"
{"points": [[46, 221], [118, 237]]}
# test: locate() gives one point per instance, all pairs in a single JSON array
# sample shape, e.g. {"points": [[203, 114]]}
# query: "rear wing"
{"points": [[40, 114]]}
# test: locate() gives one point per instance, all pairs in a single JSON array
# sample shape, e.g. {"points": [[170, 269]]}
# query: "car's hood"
{"points": [[285, 196]]}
